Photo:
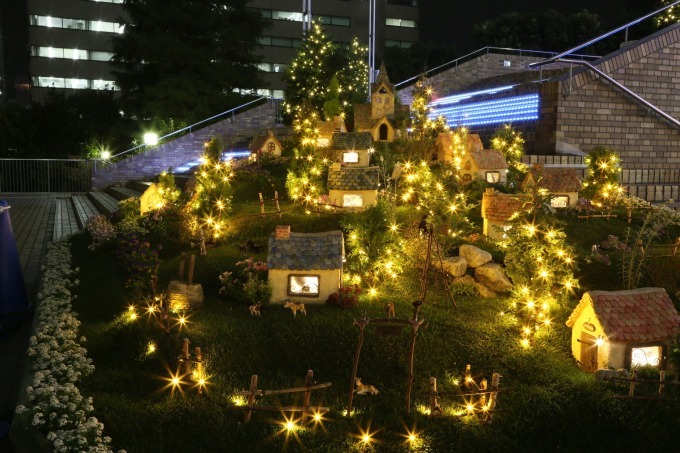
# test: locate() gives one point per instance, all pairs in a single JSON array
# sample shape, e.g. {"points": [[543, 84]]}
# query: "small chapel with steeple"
{"points": [[378, 116]]}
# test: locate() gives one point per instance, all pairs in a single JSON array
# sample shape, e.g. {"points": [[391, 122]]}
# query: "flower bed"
{"points": [[55, 406]]}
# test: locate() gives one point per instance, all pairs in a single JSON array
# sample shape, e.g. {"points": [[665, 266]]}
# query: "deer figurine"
{"points": [[363, 389], [295, 307], [389, 311], [255, 309]]}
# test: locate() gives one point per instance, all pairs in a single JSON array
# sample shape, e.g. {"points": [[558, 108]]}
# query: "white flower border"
{"points": [[56, 407]]}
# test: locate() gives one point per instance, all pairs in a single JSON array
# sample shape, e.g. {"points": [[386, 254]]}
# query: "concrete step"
{"points": [[65, 219], [139, 186], [122, 193], [104, 202], [84, 209]]}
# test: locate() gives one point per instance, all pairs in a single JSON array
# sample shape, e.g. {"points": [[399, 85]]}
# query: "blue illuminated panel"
{"points": [[462, 96], [507, 110]]}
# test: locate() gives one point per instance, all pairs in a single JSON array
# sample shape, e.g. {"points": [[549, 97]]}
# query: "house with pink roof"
{"points": [[620, 329]]}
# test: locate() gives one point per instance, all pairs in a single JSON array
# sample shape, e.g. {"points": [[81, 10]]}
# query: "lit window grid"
{"points": [[462, 96], [108, 1], [70, 54], [514, 109], [76, 24], [74, 83], [396, 22], [272, 67], [400, 44], [296, 16]]}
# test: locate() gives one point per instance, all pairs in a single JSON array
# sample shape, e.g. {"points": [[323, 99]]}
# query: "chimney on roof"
{"points": [[270, 132], [282, 232]]}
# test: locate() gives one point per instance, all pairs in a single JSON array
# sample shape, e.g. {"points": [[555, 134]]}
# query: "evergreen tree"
{"points": [[331, 107], [670, 16], [211, 202], [183, 59], [602, 179], [510, 142], [422, 126]]}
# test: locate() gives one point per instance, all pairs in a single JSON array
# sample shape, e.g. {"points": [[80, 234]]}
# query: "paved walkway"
{"points": [[33, 224]]}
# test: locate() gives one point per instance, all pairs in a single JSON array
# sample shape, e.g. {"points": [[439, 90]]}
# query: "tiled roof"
{"points": [[382, 78], [362, 116], [500, 206], [488, 159], [306, 251], [327, 128], [555, 180], [351, 140], [644, 314], [353, 178]]}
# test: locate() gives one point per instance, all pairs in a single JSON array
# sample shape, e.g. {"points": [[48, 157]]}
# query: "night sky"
{"points": [[450, 21]]}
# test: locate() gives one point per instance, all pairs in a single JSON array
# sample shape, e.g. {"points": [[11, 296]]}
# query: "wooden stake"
{"points": [[662, 378], [482, 398], [251, 398], [309, 381], [468, 376], [185, 357], [361, 324], [199, 368], [631, 388], [415, 325], [192, 262], [276, 199], [261, 204], [434, 403]]}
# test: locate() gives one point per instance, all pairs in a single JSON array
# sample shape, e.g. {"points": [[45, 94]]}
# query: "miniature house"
{"points": [[377, 117], [304, 267], [352, 183], [620, 329], [562, 184], [497, 208], [327, 129], [486, 164], [265, 144]]}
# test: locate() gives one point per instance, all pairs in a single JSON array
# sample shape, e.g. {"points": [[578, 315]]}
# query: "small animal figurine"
{"points": [[389, 311], [295, 307], [255, 309], [363, 389]]}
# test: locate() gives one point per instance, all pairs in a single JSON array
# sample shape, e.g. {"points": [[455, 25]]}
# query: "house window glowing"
{"points": [[350, 158], [352, 200], [650, 355], [560, 201], [303, 285], [323, 142], [493, 177]]}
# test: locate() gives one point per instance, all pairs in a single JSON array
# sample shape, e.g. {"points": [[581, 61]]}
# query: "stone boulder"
{"points": [[492, 276], [474, 256], [484, 291], [465, 279], [454, 265]]}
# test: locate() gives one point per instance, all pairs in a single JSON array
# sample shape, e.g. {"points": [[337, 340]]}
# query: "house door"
{"points": [[588, 352], [383, 132]]}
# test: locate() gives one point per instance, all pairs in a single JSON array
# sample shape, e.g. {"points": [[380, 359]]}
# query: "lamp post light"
{"points": [[151, 139]]}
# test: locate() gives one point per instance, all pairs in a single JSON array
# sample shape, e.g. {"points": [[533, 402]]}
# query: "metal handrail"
{"points": [[194, 125], [486, 50], [621, 87], [606, 35]]}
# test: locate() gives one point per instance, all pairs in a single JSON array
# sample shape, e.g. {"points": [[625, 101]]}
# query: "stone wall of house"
{"points": [[148, 164]]}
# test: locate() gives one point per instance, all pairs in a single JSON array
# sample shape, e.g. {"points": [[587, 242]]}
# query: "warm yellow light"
{"points": [[290, 426], [238, 400], [531, 304], [599, 341], [317, 417], [150, 348], [133, 316], [366, 438], [470, 407], [524, 343], [131, 308]]}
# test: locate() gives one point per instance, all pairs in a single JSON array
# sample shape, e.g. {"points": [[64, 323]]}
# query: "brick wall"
{"points": [[587, 111], [189, 147]]}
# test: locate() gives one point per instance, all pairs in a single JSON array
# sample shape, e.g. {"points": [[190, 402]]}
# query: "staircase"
{"points": [[72, 213]]}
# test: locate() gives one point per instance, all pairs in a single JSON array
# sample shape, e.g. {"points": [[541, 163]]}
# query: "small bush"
{"points": [[346, 297], [664, 272], [101, 230], [257, 291], [462, 288]]}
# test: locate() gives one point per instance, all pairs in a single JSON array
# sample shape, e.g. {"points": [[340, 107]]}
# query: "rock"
{"points": [[492, 276], [465, 279], [485, 292], [454, 265], [474, 256]]}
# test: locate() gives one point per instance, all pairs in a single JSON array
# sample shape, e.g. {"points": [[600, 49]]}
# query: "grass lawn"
{"points": [[551, 404]]}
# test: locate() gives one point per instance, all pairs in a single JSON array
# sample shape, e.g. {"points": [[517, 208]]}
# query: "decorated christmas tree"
{"points": [[422, 126], [211, 202]]}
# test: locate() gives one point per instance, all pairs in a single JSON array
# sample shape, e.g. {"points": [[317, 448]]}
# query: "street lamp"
{"points": [[151, 139]]}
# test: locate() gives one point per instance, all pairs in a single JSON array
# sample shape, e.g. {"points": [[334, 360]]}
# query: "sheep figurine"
{"points": [[604, 374]]}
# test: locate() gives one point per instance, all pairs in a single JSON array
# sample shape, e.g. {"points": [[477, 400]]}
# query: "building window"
{"points": [[271, 147], [559, 201], [303, 285], [295, 16], [396, 22], [78, 84], [323, 142], [467, 178], [272, 67], [72, 54], [279, 42], [76, 24], [493, 177], [352, 200], [400, 44], [351, 157], [646, 356]]}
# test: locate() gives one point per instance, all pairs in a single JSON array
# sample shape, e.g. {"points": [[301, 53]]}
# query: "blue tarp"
{"points": [[12, 290]]}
